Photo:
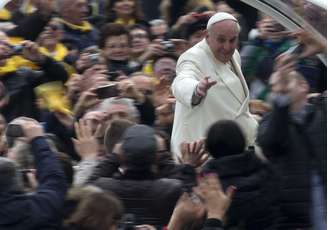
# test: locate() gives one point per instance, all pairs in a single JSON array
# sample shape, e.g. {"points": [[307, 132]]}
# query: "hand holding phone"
{"points": [[107, 91], [295, 50]]}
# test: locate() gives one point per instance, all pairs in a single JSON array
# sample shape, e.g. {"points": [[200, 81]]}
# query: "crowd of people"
{"points": [[203, 116]]}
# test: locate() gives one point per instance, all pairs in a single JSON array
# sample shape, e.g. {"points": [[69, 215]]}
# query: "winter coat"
{"points": [[254, 205], [296, 149], [42, 209]]}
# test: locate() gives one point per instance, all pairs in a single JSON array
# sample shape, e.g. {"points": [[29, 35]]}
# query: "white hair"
{"points": [[132, 110]]}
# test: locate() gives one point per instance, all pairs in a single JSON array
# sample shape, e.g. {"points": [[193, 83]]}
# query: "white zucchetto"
{"points": [[218, 17]]}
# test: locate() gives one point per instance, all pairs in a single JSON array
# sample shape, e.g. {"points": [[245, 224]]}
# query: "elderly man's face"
{"points": [[165, 67], [222, 38], [75, 11]]}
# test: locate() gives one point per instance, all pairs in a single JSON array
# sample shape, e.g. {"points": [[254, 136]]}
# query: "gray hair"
{"points": [[132, 110]]}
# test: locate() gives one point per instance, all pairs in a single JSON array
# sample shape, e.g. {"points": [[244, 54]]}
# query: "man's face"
{"points": [[165, 67], [118, 111], [222, 38], [290, 85], [117, 48], [140, 40], [51, 34], [75, 11], [144, 84]]}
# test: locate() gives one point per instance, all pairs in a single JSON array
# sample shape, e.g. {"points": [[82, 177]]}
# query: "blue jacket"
{"points": [[42, 209]]}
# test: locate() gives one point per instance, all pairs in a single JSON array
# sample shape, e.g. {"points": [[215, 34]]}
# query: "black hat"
{"points": [[139, 147]]}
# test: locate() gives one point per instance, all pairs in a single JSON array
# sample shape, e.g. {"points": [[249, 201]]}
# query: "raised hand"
{"points": [[86, 144], [203, 86], [32, 53], [312, 44], [215, 199], [193, 153]]}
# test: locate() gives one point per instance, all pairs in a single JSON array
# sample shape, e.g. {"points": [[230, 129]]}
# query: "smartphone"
{"points": [[107, 91], [14, 130], [113, 75], [295, 50]]}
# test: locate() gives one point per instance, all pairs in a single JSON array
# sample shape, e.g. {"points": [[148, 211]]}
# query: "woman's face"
{"points": [[124, 7], [117, 48]]}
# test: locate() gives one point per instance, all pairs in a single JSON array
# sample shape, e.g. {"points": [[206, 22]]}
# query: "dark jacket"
{"points": [[40, 210], [78, 39], [165, 168], [150, 200], [254, 205], [20, 87], [30, 27], [212, 224], [288, 143]]}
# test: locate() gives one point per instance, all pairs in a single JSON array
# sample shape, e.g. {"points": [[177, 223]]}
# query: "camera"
{"points": [[18, 49], [14, 130], [168, 45], [94, 58]]}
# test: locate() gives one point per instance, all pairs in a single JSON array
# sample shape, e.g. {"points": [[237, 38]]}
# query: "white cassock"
{"points": [[227, 99]]}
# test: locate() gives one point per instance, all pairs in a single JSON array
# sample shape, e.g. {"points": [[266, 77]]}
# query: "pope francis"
{"points": [[210, 85]]}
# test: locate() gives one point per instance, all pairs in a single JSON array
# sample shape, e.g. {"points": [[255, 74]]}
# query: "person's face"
{"points": [[117, 111], [124, 7], [76, 11], [144, 84], [165, 67], [297, 89], [117, 48], [140, 40], [222, 38], [159, 30], [196, 37], [51, 35]]}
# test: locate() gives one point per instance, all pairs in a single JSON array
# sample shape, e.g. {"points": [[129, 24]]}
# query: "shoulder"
{"points": [[197, 52]]}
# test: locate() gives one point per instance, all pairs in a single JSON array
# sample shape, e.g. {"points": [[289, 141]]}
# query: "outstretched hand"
{"points": [[312, 44], [203, 86], [193, 153]]}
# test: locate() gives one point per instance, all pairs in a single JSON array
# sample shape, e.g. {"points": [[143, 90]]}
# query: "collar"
{"points": [[59, 54], [15, 62], [129, 22], [85, 27]]}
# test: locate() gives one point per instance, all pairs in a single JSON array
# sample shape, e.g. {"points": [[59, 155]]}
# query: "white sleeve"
{"points": [[185, 82]]}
